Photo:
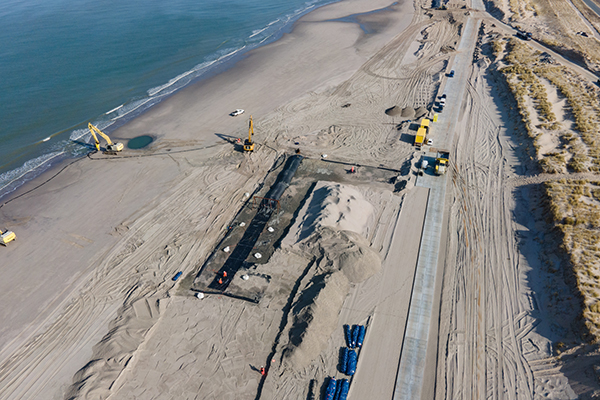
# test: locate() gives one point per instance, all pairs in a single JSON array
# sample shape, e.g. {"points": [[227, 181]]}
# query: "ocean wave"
{"points": [[129, 110], [256, 32], [11, 177], [114, 109]]}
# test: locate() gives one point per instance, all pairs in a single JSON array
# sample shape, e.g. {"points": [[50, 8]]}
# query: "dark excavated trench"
{"points": [[267, 206]]}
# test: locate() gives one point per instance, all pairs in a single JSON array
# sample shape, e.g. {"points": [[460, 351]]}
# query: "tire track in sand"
{"points": [[487, 312], [159, 243]]}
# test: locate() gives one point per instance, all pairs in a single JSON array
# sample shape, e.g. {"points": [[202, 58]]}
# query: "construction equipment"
{"points": [[441, 162], [422, 133], [111, 148], [524, 35], [7, 237], [420, 137], [248, 143]]}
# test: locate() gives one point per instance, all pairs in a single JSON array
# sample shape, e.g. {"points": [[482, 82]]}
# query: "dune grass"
{"points": [[524, 69], [574, 207]]}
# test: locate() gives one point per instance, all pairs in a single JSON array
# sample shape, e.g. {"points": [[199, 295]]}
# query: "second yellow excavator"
{"points": [[111, 148], [248, 143]]}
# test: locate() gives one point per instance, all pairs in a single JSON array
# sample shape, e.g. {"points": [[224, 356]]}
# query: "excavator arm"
{"points": [[249, 144], [112, 147]]}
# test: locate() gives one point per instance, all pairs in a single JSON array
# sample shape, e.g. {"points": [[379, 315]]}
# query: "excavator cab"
{"points": [[111, 148], [248, 143]]}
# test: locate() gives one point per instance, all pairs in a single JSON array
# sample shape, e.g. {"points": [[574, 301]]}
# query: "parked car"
{"points": [[451, 74], [237, 112]]}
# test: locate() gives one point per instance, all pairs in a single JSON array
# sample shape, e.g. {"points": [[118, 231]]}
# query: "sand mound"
{"points": [[345, 251], [393, 111], [421, 112], [331, 204], [315, 318], [408, 112], [99, 377], [331, 228], [344, 258]]}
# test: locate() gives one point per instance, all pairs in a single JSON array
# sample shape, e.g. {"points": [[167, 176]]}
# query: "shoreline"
{"points": [[83, 222], [53, 162], [59, 161], [50, 160]]}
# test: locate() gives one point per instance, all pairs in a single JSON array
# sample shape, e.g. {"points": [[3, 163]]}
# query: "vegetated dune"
{"points": [[343, 257]]}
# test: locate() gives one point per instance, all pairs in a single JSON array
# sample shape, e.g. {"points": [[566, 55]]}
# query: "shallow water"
{"points": [[65, 63]]}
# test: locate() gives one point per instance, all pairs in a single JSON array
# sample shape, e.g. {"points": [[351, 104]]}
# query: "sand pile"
{"points": [[99, 378], [420, 112], [393, 111], [344, 258], [331, 229], [408, 112], [331, 204], [315, 318], [343, 251]]}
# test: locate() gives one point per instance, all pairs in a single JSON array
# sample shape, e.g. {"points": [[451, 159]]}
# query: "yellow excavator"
{"points": [[7, 237], [248, 143], [111, 148]]}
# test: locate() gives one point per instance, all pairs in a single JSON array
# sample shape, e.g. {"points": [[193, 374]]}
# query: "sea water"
{"points": [[64, 63]]}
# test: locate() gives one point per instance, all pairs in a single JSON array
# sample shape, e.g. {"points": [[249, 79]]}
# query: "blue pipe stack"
{"points": [[354, 336], [344, 387], [344, 360], [330, 391]]}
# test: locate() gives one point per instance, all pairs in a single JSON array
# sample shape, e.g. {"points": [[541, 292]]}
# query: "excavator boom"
{"points": [[111, 148], [248, 143]]}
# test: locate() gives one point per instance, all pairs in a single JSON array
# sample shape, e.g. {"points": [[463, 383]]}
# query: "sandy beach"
{"points": [[358, 237]]}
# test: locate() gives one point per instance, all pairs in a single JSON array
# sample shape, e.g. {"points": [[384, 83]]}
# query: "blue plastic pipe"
{"points": [[344, 391], [344, 360], [355, 331], [361, 335], [330, 392], [352, 359], [348, 335]]}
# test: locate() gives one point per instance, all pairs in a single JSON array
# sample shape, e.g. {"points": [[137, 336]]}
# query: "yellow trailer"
{"points": [[420, 137]]}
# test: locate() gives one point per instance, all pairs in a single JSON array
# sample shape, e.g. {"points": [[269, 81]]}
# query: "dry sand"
{"points": [[89, 307]]}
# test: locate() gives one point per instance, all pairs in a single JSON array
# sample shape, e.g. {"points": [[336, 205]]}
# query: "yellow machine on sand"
{"points": [[111, 148], [248, 143], [7, 237], [441, 162]]}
